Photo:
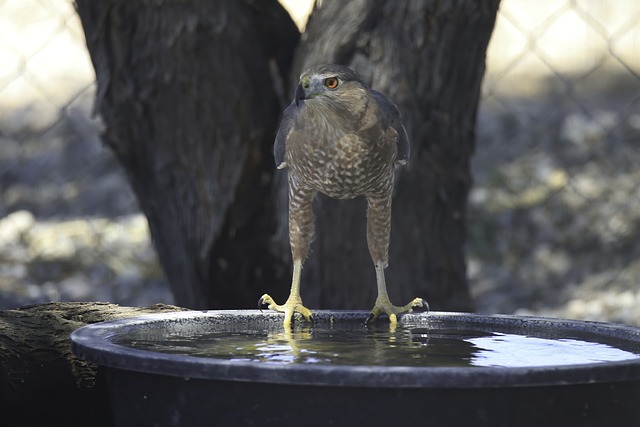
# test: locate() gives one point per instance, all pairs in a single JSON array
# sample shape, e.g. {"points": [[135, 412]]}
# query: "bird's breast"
{"points": [[342, 166]]}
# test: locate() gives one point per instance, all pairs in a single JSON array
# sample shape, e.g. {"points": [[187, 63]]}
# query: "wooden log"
{"points": [[41, 382]]}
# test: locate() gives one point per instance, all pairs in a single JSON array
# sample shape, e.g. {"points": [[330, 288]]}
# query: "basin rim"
{"points": [[94, 343]]}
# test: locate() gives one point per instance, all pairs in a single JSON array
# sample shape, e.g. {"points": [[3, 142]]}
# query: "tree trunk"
{"points": [[188, 93], [41, 382], [191, 95]]}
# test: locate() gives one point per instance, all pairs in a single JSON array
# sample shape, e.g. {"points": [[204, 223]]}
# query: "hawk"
{"points": [[343, 139]]}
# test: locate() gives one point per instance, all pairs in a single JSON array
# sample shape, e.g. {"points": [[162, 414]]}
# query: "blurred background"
{"points": [[554, 214]]}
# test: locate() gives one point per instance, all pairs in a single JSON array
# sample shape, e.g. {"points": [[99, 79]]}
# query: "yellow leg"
{"points": [[294, 302], [383, 304]]}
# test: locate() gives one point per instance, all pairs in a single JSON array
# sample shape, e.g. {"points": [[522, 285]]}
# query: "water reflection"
{"points": [[287, 346], [510, 350]]}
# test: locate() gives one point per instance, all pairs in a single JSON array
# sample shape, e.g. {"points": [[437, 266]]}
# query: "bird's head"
{"points": [[331, 85]]}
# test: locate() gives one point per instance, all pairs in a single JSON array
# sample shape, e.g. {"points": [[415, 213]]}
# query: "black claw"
{"points": [[370, 318], [312, 319], [261, 304], [425, 306]]}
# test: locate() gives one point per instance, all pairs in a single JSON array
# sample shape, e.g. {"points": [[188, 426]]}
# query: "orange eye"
{"points": [[331, 82]]}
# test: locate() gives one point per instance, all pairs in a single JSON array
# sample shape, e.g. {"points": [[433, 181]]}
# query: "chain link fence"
{"points": [[554, 222], [554, 216], [69, 225]]}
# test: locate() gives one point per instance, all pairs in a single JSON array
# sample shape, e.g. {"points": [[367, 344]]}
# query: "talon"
{"points": [[371, 318], [289, 308], [264, 302], [419, 304], [383, 305]]}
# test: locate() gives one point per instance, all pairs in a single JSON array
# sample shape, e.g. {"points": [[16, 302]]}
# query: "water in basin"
{"points": [[349, 344]]}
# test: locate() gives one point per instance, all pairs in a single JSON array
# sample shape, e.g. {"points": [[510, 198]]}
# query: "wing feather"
{"points": [[391, 114], [280, 145]]}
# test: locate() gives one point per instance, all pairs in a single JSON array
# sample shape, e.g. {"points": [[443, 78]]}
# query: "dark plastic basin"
{"points": [[152, 388]]}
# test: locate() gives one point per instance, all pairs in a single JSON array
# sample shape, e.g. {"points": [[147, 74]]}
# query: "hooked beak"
{"points": [[299, 94]]}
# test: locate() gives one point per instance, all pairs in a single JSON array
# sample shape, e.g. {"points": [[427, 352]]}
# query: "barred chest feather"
{"points": [[339, 163]]}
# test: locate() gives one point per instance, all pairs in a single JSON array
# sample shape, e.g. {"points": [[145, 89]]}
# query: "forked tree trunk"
{"points": [[191, 94]]}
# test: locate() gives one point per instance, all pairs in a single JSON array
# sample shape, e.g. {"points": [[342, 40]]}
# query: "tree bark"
{"points": [[41, 382], [191, 95]]}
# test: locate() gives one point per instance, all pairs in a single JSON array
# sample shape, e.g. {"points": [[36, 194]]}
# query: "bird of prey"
{"points": [[343, 139]]}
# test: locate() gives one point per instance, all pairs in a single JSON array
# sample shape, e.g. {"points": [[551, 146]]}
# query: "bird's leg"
{"points": [[378, 232], [383, 304], [301, 231], [294, 302]]}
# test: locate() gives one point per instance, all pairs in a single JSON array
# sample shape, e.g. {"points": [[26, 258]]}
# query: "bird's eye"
{"points": [[331, 82]]}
